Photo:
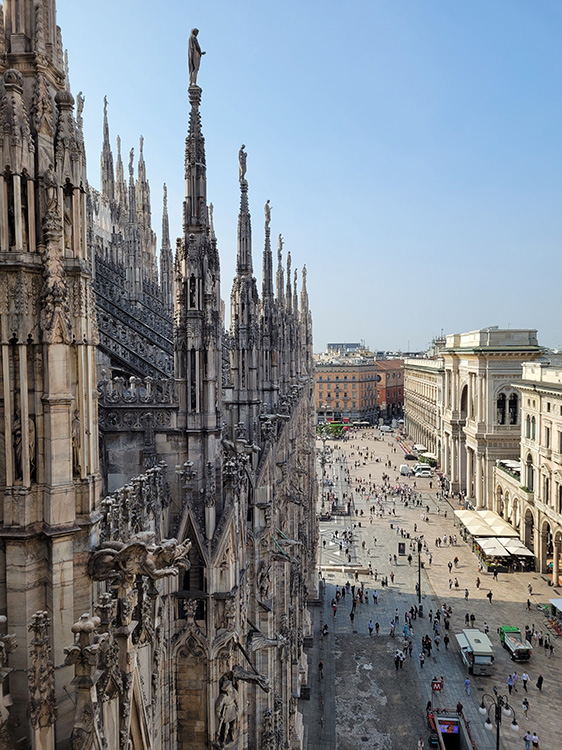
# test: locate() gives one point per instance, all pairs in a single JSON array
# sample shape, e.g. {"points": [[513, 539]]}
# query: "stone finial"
{"points": [[267, 211]]}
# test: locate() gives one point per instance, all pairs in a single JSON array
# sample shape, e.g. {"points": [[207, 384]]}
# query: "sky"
{"points": [[410, 149]]}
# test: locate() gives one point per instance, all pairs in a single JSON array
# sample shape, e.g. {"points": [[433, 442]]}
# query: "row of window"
{"points": [[548, 406], [531, 430]]}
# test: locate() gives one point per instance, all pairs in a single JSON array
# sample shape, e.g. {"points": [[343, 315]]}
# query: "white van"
{"points": [[476, 651], [424, 472], [405, 470]]}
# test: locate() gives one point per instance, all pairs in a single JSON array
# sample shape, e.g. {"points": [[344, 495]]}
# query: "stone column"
{"points": [[454, 464], [469, 471], [480, 504], [542, 552], [556, 561]]}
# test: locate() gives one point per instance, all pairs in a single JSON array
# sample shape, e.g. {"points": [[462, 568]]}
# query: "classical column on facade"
{"points": [[454, 464], [469, 471], [543, 548], [556, 561], [480, 499]]}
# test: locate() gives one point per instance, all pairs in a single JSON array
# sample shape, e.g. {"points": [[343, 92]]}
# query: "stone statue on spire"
{"points": [[267, 211], [131, 157], [242, 156], [194, 57]]}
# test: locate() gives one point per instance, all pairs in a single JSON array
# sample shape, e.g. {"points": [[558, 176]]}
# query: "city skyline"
{"points": [[411, 157]]}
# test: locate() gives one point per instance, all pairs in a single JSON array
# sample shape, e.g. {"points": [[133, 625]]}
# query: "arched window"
{"points": [[533, 428], [500, 406], [513, 408], [528, 427], [530, 474]]}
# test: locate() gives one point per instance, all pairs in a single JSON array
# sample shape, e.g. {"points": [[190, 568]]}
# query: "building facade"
{"points": [[529, 493], [390, 388], [423, 402], [347, 391], [464, 404], [481, 405], [171, 612]]}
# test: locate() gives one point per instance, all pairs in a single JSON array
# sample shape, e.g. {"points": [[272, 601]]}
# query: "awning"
{"points": [[429, 455], [499, 525], [492, 548], [556, 603], [420, 447], [515, 547]]}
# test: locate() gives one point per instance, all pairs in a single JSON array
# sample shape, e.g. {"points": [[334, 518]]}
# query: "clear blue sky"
{"points": [[411, 149]]}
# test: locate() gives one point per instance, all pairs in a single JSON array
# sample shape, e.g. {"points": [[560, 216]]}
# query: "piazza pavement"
{"points": [[362, 700]]}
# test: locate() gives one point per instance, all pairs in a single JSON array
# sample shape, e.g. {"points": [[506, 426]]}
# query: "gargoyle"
{"points": [[239, 674], [122, 561]]}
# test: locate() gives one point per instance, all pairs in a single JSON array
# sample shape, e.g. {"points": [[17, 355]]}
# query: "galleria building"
{"points": [[158, 533], [488, 405]]}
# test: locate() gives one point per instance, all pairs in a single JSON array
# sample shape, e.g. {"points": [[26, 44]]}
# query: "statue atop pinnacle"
{"points": [[193, 57]]}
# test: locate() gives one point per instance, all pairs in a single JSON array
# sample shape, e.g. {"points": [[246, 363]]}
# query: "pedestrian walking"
{"points": [[525, 680], [321, 669], [527, 739], [535, 741], [352, 616], [477, 582], [375, 597], [459, 707], [421, 658], [510, 683], [421, 744], [392, 576], [466, 594], [528, 605], [450, 566], [371, 627], [446, 641], [540, 682], [335, 608], [467, 685], [489, 595], [377, 628], [525, 707], [530, 588], [495, 575], [396, 661]]}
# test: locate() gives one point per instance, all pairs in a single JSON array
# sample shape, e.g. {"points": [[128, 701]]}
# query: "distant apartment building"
{"points": [[346, 391]]}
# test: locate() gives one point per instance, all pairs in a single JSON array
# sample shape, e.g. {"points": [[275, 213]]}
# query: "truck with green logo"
{"points": [[511, 640]]}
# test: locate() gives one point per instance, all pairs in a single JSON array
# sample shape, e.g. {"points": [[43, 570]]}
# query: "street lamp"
{"points": [[499, 704], [419, 570]]}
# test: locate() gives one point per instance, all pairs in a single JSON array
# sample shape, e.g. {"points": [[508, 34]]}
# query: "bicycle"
{"points": [[544, 608]]}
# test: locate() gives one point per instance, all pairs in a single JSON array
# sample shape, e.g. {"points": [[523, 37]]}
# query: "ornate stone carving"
{"points": [[41, 674], [84, 655], [226, 710], [194, 54], [122, 561]]}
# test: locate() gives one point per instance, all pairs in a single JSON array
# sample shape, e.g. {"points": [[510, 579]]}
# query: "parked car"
{"points": [[425, 472], [410, 457]]}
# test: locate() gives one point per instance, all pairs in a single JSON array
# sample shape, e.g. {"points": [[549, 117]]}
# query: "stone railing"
{"points": [[118, 391]]}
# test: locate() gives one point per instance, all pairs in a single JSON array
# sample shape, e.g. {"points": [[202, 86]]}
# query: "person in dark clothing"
{"points": [[540, 682]]}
